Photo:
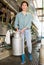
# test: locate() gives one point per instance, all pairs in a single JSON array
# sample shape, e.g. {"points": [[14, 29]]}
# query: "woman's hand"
{"points": [[16, 29], [22, 31]]}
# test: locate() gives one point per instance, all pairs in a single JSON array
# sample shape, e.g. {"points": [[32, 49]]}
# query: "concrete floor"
{"points": [[12, 60]]}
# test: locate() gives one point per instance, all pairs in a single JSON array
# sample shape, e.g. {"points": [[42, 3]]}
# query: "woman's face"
{"points": [[24, 7]]}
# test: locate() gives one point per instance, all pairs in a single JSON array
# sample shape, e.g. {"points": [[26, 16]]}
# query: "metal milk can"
{"points": [[17, 44]]}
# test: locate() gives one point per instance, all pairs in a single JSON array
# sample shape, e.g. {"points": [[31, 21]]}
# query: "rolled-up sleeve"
{"points": [[16, 22]]}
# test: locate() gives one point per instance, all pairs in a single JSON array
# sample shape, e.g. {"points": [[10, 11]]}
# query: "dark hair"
{"points": [[24, 2]]}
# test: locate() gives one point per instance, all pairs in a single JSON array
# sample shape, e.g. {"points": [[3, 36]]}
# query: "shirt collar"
{"points": [[25, 14]]}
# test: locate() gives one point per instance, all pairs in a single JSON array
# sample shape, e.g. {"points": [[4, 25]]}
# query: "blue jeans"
{"points": [[27, 35]]}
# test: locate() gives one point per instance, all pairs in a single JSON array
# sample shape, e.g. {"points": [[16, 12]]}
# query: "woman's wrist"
{"points": [[16, 29]]}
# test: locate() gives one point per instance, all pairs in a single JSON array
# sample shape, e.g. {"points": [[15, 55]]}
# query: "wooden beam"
{"points": [[41, 15], [41, 20], [39, 8]]}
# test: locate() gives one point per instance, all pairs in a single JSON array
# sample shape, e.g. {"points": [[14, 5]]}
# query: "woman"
{"points": [[23, 23]]}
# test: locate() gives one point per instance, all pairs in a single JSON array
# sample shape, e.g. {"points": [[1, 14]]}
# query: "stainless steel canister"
{"points": [[17, 44]]}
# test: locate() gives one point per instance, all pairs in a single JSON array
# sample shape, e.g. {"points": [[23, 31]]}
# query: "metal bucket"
{"points": [[17, 44]]}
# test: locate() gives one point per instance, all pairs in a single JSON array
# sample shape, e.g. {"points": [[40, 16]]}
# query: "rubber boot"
{"points": [[23, 58], [30, 56]]}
